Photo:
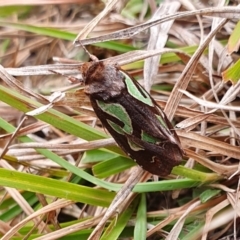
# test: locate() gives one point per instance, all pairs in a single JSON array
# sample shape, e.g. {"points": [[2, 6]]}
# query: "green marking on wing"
{"points": [[118, 111], [133, 90], [161, 121], [116, 127], [134, 146], [148, 138]]}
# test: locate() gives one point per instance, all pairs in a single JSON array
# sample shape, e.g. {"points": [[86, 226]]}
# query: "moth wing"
{"points": [[149, 120], [158, 160]]}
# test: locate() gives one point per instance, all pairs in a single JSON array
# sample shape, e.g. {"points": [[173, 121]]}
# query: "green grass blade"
{"points": [[140, 230], [52, 187], [114, 230]]}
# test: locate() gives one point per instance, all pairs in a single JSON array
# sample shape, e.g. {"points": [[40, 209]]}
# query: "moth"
{"points": [[132, 117]]}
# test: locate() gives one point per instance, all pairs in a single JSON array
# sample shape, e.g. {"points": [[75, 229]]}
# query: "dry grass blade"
{"points": [[175, 214], [43, 2], [119, 200], [78, 146], [193, 139], [73, 69], [222, 170], [140, 55], [192, 122], [67, 69], [187, 74], [179, 224], [225, 12], [156, 42], [71, 229], [111, 5], [208, 104], [209, 216], [53, 206], [14, 83]]}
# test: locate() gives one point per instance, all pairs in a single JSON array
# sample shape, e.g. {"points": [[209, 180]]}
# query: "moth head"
{"points": [[102, 80], [92, 72], [84, 70]]}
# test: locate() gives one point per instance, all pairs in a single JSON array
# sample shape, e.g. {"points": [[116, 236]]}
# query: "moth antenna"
{"points": [[91, 56]]}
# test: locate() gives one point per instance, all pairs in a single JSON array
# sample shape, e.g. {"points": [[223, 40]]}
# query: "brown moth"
{"points": [[132, 117]]}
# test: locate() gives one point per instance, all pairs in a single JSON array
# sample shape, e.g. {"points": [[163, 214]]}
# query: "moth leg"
{"points": [[72, 79]]}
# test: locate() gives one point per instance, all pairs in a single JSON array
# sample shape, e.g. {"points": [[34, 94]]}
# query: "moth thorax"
{"points": [[105, 83]]}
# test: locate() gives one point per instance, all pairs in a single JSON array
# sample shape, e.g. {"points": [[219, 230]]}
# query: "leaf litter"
{"points": [[209, 137]]}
